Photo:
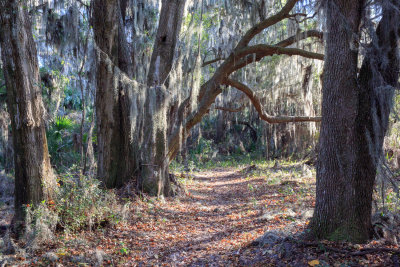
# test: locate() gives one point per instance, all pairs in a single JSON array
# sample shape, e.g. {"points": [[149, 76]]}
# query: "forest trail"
{"points": [[221, 214], [215, 223]]}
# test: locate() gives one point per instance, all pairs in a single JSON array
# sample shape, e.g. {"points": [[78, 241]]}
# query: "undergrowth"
{"points": [[80, 204]]}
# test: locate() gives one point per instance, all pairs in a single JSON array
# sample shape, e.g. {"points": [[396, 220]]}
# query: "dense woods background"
{"points": [[106, 105]]}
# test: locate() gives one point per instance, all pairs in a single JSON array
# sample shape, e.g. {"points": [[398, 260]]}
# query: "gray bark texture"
{"points": [[154, 174], [116, 163], [355, 113], [34, 177]]}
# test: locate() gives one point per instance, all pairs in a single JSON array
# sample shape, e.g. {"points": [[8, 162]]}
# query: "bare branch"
{"points": [[258, 52], [269, 50], [258, 106], [281, 15], [294, 15], [83, 4], [300, 36], [205, 63], [230, 109], [303, 19]]}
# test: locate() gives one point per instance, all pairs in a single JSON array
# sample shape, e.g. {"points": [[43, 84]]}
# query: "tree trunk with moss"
{"points": [[355, 114], [116, 163], [34, 177], [154, 174]]}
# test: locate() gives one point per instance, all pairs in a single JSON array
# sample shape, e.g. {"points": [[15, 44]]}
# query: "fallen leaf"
{"points": [[313, 262]]}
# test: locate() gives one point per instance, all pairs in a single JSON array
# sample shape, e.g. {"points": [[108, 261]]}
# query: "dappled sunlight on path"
{"points": [[221, 214]]}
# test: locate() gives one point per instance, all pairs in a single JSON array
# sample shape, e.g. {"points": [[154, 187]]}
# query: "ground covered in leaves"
{"points": [[228, 217]]}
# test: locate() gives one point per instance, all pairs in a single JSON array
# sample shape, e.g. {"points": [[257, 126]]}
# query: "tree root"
{"points": [[361, 252]]}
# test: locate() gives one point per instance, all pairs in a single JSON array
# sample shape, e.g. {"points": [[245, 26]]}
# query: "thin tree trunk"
{"points": [[81, 142], [34, 177]]}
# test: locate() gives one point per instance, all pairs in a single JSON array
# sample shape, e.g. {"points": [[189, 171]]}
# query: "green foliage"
{"points": [[80, 204], [60, 142], [83, 203], [72, 99], [63, 123]]}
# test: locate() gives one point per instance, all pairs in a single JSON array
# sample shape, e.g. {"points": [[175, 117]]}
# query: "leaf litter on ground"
{"points": [[228, 216]]}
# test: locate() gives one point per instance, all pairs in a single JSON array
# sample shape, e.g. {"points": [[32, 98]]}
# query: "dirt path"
{"points": [[214, 223]]}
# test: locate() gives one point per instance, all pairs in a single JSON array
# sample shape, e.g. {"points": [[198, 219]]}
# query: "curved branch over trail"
{"points": [[281, 15], [241, 56], [270, 50], [228, 109], [263, 115]]}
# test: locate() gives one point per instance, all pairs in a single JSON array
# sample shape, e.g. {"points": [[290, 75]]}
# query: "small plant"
{"points": [[41, 222], [60, 141], [80, 203], [124, 250], [63, 123]]}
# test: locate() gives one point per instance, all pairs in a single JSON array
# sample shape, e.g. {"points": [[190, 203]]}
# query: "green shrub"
{"points": [[80, 204], [60, 142]]}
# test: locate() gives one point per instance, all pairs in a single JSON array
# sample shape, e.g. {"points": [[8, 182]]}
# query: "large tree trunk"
{"points": [[34, 178], [355, 113], [116, 163], [154, 174]]}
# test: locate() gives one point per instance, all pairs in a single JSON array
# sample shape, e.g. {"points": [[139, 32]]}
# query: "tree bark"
{"points": [[154, 172], [168, 31], [355, 113], [34, 177], [115, 161]]}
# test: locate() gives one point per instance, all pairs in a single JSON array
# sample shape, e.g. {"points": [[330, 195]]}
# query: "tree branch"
{"points": [[230, 109], [258, 106], [83, 4], [211, 89], [205, 63], [281, 15], [269, 50], [300, 36], [281, 46]]}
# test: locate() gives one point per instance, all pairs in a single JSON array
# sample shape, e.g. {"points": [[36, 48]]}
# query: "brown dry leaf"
{"points": [[313, 263]]}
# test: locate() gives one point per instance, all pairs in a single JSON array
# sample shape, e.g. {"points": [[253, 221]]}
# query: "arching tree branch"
{"points": [[255, 57], [281, 15], [301, 36], [269, 50], [230, 109], [263, 115], [212, 88]]}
